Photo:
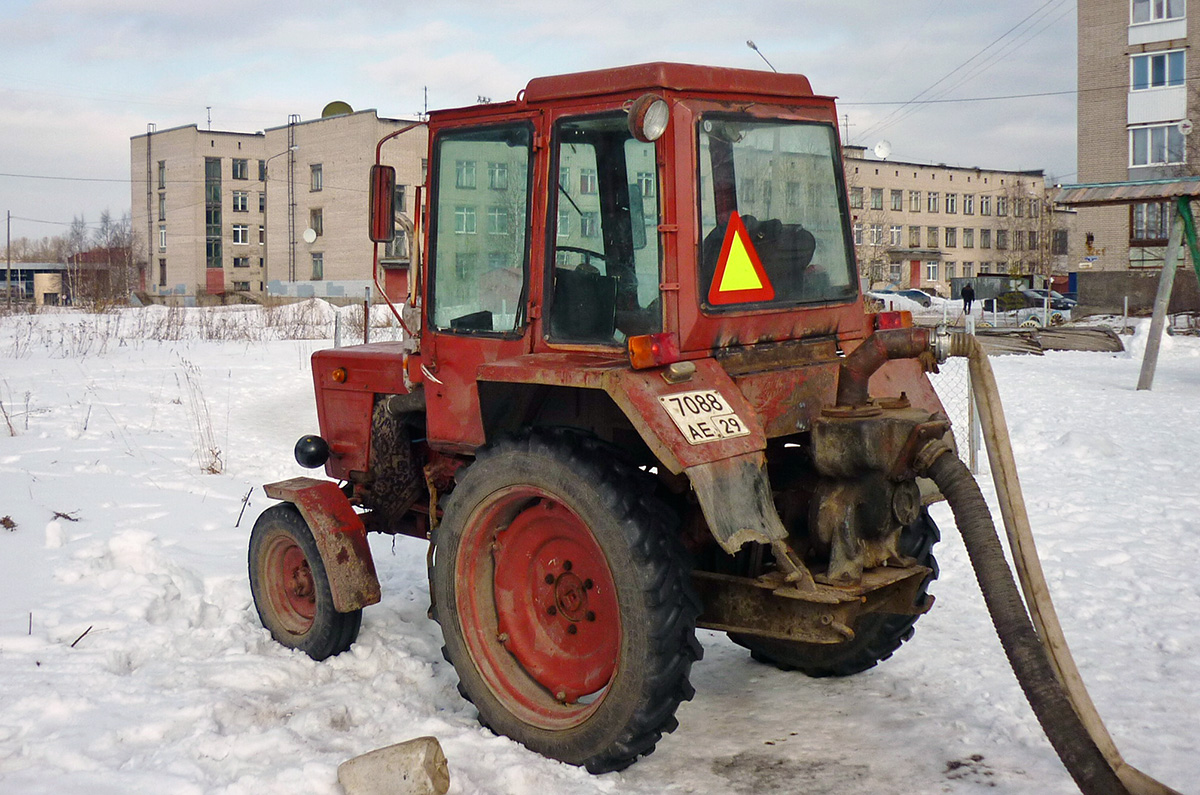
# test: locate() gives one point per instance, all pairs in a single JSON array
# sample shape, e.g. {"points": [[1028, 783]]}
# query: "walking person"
{"points": [[968, 297]]}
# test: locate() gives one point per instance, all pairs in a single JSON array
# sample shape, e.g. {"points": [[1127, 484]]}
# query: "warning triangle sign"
{"points": [[740, 277]]}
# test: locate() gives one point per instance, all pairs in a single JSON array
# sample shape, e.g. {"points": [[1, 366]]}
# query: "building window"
{"points": [[564, 223], [241, 235], [464, 219], [897, 200], [1149, 223], [951, 202], [241, 287], [589, 224], [894, 272], [895, 235], [1018, 240], [1157, 10], [985, 238], [1002, 205], [645, 183], [162, 237], [262, 170], [498, 176], [1035, 207], [316, 177], [914, 201], [914, 237], [931, 237], [933, 201], [876, 198], [1001, 239], [876, 234], [262, 235], [793, 194], [967, 266], [241, 262], [858, 234], [856, 198], [1159, 145], [968, 204], [968, 238], [931, 270], [212, 212], [497, 220], [262, 202], [1032, 236], [241, 169], [162, 206], [400, 199], [241, 201], [162, 273], [587, 180], [951, 237], [316, 221], [949, 270], [318, 263], [1058, 243], [985, 205], [564, 178], [162, 174], [464, 174]]}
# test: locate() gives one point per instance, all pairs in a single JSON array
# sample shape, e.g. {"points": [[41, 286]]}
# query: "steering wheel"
{"points": [[580, 250]]}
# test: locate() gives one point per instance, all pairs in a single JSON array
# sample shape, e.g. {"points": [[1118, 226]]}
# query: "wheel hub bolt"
{"points": [[588, 584], [572, 629], [549, 579], [567, 565], [552, 610], [590, 616]]}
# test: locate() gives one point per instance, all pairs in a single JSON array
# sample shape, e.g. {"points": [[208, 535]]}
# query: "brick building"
{"points": [[280, 212], [919, 225], [1134, 78]]}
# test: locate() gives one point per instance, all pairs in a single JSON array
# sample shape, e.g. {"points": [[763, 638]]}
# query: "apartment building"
{"points": [[279, 212], [1134, 105], [919, 225]]}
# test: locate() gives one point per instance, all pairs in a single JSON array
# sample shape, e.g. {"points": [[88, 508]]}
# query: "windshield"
{"points": [[771, 213]]}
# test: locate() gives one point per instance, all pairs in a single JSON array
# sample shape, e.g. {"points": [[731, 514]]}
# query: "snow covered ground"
{"points": [[132, 661]]}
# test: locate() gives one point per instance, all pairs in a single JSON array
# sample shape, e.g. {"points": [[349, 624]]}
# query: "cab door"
{"points": [[477, 291]]}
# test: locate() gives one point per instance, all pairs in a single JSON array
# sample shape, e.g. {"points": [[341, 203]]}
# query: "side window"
{"points": [[603, 263], [479, 238]]}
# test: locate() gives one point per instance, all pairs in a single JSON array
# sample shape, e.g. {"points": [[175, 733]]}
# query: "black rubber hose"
{"points": [[1026, 655]]}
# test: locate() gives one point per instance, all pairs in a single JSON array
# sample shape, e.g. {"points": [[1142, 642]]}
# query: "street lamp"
{"points": [[267, 208]]}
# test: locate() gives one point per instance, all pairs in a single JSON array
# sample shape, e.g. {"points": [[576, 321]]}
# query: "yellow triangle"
{"points": [[739, 270]]}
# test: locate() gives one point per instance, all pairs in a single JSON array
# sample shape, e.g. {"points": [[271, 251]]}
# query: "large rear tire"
{"points": [[877, 635], [564, 600], [291, 588]]}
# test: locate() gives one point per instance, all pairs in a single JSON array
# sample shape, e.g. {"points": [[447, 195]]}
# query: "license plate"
{"points": [[703, 416]]}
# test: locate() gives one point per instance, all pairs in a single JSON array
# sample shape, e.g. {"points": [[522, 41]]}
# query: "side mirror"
{"points": [[382, 203]]}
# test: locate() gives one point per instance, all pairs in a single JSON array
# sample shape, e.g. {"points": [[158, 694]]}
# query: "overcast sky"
{"points": [[78, 78]]}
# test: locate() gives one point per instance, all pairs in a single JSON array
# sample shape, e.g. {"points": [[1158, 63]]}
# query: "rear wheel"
{"points": [[291, 588], [877, 635], [564, 600]]}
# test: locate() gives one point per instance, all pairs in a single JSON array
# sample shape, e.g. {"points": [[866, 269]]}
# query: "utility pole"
{"points": [[8, 257]]}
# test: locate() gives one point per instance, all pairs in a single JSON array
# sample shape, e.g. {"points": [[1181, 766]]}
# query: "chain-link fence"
{"points": [[953, 386]]}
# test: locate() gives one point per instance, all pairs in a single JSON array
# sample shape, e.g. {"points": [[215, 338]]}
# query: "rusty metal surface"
{"points": [[637, 393], [768, 608], [341, 539]]}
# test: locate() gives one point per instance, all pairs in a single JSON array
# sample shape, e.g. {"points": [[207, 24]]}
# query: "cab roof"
{"points": [[667, 76]]}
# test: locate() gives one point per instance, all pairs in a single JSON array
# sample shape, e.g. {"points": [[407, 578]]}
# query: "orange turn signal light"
{"points": [[339, 375], [653, 350]]}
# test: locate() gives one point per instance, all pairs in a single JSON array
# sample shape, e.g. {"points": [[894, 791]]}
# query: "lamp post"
{"points": [[267, 208]]}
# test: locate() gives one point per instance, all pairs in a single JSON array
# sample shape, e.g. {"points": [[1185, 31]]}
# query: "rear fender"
{"points": [[341, 539]]}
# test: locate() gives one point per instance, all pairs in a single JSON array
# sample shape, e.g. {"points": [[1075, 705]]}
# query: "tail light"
{"points": [[886, 320], [653, 350]]}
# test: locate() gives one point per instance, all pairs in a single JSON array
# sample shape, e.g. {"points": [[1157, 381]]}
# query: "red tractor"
{"points": [[636, 399]]}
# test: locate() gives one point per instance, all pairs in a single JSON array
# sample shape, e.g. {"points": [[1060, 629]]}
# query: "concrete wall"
{"points": [[1103, 292]]}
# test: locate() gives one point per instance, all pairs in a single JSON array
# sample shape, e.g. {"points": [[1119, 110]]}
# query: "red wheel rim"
{"points": [[539, 608], [289, 584]]}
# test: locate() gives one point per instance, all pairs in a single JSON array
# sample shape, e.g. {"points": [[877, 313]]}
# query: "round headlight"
{"points": [[648, 117]]}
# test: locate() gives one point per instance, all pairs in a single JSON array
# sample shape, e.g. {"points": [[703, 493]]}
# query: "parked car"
{"points": [[1057, 300], [1024, 307], [920, 296]]}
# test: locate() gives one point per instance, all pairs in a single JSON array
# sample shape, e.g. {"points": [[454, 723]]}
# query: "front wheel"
{"points": [[564, 600], [876, 636], [291, 588]]}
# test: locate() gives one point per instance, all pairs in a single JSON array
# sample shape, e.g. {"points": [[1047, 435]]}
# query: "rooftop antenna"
{"points": [[750, 43], [209, 109]]}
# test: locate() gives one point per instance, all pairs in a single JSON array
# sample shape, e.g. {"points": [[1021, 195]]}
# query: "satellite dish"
{"points": [[883, 149], [310, 235], [1185, 126], [336, 108]]}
